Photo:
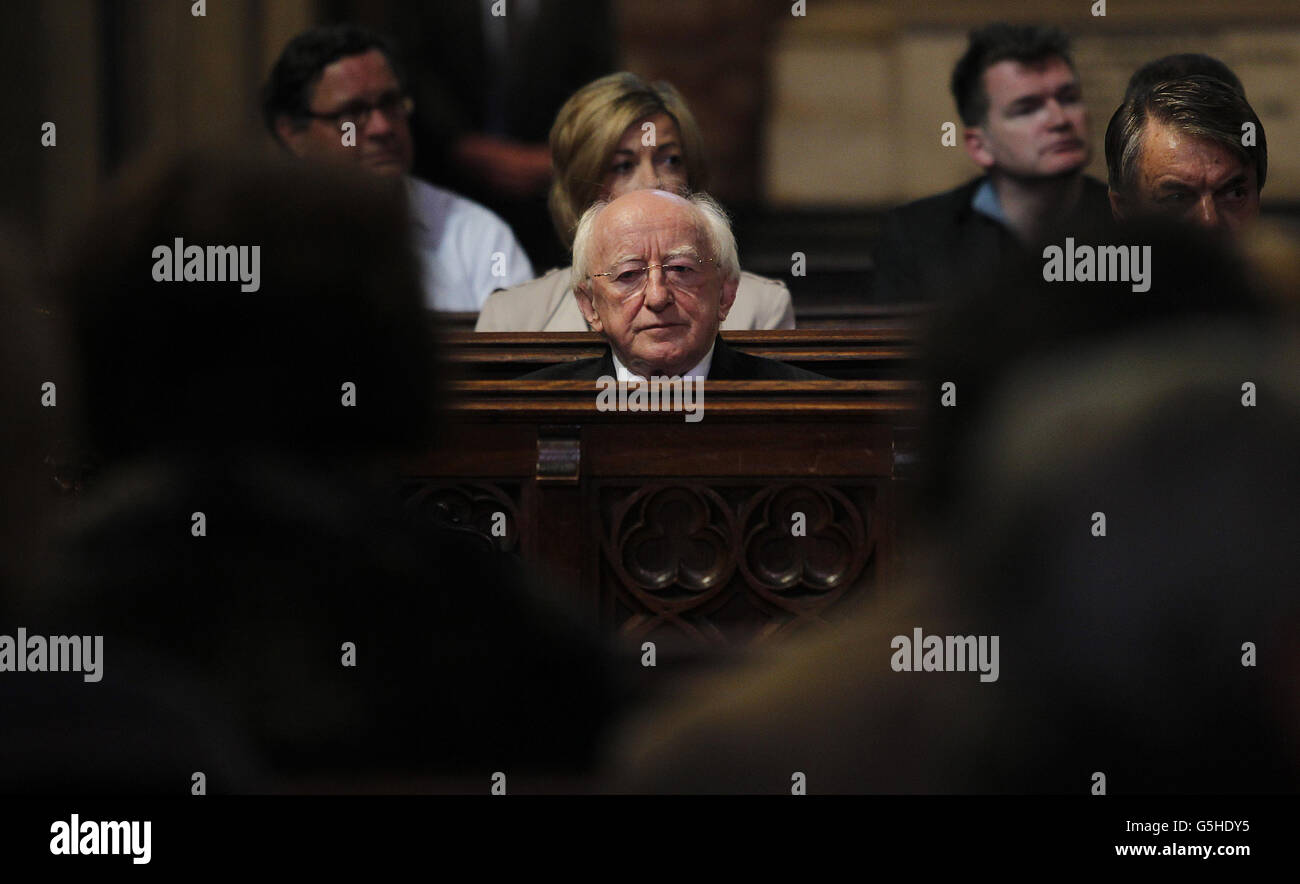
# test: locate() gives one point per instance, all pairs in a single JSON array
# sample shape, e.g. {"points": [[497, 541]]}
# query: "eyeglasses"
{"points": [[682, 274], [393, 107]]}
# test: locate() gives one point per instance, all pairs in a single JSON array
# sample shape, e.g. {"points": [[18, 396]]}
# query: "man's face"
{"points": [[665, 328], [1191, 179], [636, 165], [1037, 124], [383, 141]]}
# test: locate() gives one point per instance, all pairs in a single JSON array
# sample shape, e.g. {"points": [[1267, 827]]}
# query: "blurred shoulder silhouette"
{"points": [[1155, 651], [246, 530]]}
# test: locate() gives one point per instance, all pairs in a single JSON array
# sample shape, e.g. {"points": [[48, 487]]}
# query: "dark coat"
{"points": [[727, 365], [937, 247]]}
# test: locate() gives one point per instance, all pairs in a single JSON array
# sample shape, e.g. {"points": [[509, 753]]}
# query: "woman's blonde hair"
{"points": [[587, 131]]}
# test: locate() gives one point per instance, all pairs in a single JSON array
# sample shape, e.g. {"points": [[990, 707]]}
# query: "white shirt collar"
{"points": [[623, 374]]}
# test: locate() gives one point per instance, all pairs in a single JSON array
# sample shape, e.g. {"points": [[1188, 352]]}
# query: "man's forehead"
{"points": [[1007, 80], [666, 225], [355, 74], [1170, 153]]}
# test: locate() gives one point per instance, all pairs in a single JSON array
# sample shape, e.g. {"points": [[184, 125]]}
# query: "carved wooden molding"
{"points": [[789, 401], [894, 341]]}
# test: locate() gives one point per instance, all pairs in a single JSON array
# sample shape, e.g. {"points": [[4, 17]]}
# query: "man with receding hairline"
{"points": [[1191, 149], [656, 274]]}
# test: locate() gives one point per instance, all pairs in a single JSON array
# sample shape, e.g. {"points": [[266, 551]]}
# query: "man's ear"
{"points": [[728, 297], [290, 135], [583, 294], [976, 143], [1118, 205]]}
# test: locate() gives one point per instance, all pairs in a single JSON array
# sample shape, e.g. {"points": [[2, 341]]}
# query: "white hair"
{"points": [[712, 222]]}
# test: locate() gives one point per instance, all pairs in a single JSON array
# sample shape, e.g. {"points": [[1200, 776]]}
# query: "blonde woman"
{"points": [[615, 135]]}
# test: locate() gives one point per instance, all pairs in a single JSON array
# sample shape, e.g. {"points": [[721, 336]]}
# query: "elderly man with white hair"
{"points": [[656, 274]]}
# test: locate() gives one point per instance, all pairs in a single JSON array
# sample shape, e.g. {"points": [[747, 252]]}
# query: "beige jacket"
{"points": [[547, 304]]}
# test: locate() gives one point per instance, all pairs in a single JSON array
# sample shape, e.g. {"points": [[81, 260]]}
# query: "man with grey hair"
{"points": [[656, 274], [1191, 149]]}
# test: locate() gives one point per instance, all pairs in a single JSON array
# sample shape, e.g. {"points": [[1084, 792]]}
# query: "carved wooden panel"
{"points": [[471, 506], [721, 564], [683, 533]]}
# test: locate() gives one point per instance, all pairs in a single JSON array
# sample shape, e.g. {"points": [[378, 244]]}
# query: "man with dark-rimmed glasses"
{"points": [[336, 95]]}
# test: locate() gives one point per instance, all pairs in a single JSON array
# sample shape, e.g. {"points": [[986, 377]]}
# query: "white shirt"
{"points": [[623, 374], [465, 250]]}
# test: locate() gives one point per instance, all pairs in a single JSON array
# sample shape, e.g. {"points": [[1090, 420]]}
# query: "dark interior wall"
{"points": [[24, 56]]}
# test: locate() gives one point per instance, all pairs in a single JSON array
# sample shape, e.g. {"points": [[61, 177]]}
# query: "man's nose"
{"points": [[1056, 115], [378, 125], [1207, 213], [658, 296]]}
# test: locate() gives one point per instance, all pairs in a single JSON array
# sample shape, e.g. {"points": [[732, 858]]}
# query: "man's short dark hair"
{"points": [[1000, 42], [1199, 106], [288, 88], [1179, 66]]}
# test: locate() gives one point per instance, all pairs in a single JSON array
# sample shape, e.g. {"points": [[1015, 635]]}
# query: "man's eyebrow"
{"points": [[392, 90], [1235, 181], [677, 252], [1025, 101], [1032, 98], [362, 101]]}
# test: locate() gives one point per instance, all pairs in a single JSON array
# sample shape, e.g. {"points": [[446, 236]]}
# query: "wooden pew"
{"points": [[677, 532], [888, 352], [839, 308]]}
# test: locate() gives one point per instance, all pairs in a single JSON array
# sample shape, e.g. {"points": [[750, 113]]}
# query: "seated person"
{"points": [[1175, 149], [601, 150], [656, 274], [330, 77], [1026, 126]]}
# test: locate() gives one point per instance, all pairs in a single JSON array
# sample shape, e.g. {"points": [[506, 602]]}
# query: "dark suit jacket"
{"points": [[727, 365], [937, 247]]}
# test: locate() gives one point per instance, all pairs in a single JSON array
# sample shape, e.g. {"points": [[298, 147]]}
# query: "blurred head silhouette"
{"points": [[330, 354]]}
